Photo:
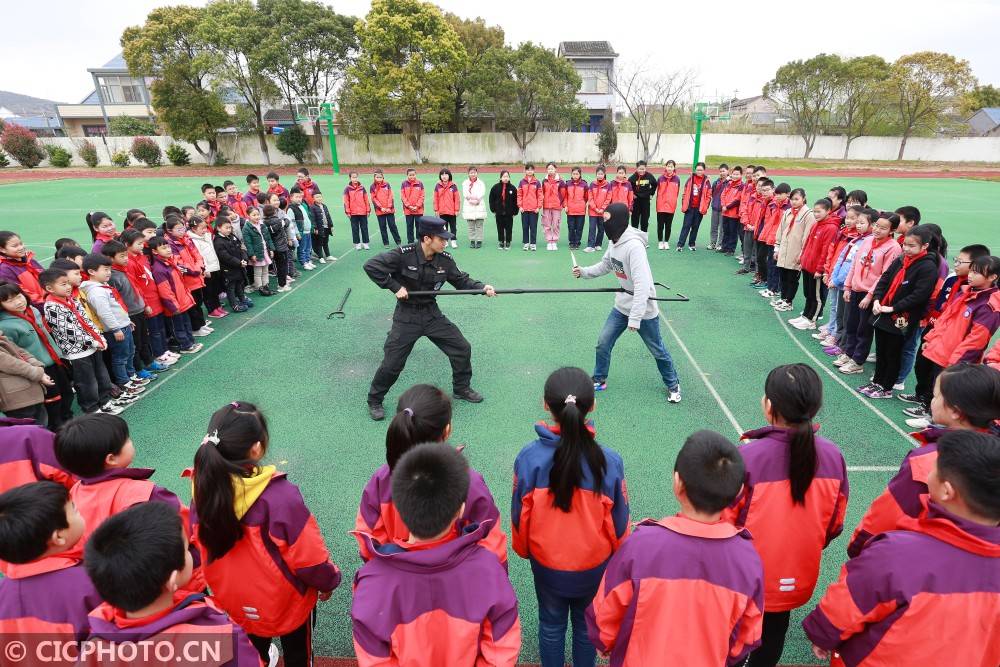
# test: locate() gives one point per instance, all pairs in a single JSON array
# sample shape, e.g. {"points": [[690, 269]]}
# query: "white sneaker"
{"points": [[851, 368], [194, 348], [165, 360], [659, 246], [527, 246], [272, 656], [110, 408], [555, 246], [841, 360], [290, 280], [286, 288], [588, 249], [322, 260], [739, 260], [871, 357], [666, 245], [534, 247], [357, 246], [454, 243], [200, 333], [674, 395], [805, 325], [365, 245], [899, 386], [918, 422], [766, 294]]}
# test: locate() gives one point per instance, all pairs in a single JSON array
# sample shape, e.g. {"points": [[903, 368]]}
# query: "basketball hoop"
{"points": [[313, 110]]}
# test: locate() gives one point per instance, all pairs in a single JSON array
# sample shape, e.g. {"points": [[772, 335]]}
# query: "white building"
{"points": [[595, 63]]}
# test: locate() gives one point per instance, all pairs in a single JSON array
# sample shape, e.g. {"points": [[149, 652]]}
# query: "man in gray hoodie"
{"points": [[626, 258]]}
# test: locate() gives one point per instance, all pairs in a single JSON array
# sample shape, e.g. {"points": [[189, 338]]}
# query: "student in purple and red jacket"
{"points": [[793, 478], [687, 589], [411, 196], [423, 414], [471, 617], [569, 514], [927, 593], [140, 563], [730, 211], [715, 232], [44, 589], [668, 187], [28, 455], [694, 204]]}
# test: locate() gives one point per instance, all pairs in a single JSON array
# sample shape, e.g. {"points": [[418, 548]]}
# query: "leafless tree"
{"points": [[650, 97]]}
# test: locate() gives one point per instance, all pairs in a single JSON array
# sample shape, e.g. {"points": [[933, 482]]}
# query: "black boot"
{"points": [[469, 394], [376, 411]]}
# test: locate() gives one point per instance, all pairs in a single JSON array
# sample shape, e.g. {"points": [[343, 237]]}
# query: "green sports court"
{"points": [[310, 375]]}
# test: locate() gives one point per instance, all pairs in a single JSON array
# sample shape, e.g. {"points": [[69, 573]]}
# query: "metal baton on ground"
{"points": [[523, 290], [339, 313]]}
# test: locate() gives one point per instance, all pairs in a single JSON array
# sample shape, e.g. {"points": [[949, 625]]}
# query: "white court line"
{"points": [[163, 380], [843, 384], [729, 413]]}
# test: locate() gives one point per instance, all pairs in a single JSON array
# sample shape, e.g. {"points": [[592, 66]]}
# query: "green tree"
{"points": [[473, 73], [361, 114], [245, 47], [537, 87], [806, 88], [168, 48], [129, 126], [980, 97], [861, 96], [293, 141], [409, 56], [607, 140], [923, 86]]}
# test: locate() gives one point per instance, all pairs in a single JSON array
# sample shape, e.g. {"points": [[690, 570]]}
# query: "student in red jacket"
{"points": [[306, 184], [747, 195], [357, 208], [568, 489], [174, 296], [447, 202], [766, 234], [926, 593], [621, 189], [576, 191], [730, 211], [598, 199], [814, 251], [668, 186], [529, 200], [191, 265], [265, 559], [695, 201], [28, 455], [18, 266], [141, 276], [553, 202], [793, 478], [435, 598], [44, 588], [385, 207], [141, 565], [423, 414], [966, 397], [687, 589], [412, 195]]}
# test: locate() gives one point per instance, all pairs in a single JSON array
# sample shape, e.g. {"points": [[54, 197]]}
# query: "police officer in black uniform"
{"points": [[422, 266]]}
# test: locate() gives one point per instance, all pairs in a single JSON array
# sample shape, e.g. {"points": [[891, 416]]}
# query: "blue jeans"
{"points": [[411, 224], [595, 236], [305, 248], [529, 226], [649, 331], [773, 274], [181, 324], [552, 612], [122, 353], [836, 300], [910, 345], [692, 220], [157, 334]]}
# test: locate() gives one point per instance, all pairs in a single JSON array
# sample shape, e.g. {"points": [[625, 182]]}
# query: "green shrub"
{"points": [[88, 153], [22, 144], [4, 162], [220, 160], [178, 155], [120, 159], [607, 140], [293, 141], [127, 126], [147, 151], [58, 156]]}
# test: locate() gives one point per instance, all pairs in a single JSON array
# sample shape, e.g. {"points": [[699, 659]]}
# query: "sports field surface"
{"points": [[310, 375]]}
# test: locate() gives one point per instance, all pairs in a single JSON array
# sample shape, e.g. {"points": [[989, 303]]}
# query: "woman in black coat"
{"points": [[503, 204], [902, 299]]}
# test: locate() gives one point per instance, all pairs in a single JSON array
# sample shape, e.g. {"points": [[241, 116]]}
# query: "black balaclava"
{"points": [[616, 225]]}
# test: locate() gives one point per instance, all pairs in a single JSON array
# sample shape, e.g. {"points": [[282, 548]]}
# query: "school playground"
{"points": [[310, 375]]}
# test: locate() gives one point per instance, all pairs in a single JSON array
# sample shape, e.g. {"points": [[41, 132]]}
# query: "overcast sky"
{"points": [[62, 38]]}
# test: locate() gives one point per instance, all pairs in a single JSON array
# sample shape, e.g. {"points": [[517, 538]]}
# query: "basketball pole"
{"points": [[325, 113], [699, 116]]}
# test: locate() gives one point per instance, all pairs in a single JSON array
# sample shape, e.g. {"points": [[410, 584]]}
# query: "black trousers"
{"points": [[927, 373], [140, 334], [505, 227], [280, 269], [59, 397], [789, 284], [296, 646], [213, 288], [815, 291], [92, 382], [410, 324], [235, 291], [730, 233], [663, 223], [888, 355], [411, 224], [763, 252], [772, 640], [38, 412], [321, 243], [451, 220], [196, 314], [640, 213]]}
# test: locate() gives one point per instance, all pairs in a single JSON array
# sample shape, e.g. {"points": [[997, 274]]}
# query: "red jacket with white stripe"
{"points": [[382, 198], [356, 200], [704, 192], [667, 189], [412, 194], [576, 197], [529, 195], [621, 192], [446, 199], [964, 329], [599, 197]]}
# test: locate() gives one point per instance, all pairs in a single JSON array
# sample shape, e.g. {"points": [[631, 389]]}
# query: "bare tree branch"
{"points": [[651, 97]]}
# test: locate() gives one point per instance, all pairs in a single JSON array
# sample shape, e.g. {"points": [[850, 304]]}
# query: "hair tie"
{"points": [[570, 399], [235, 404], [212, 438], [408, 412]]}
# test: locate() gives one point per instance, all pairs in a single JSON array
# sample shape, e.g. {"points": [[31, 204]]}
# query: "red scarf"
{"points": [[866, 263], [897, 280], [43, 333], [791, 225], [118, 297], [503, 193], [81, 320]]}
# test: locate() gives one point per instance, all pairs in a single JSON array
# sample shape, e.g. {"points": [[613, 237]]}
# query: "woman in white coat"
{"points": [[474, 207]]}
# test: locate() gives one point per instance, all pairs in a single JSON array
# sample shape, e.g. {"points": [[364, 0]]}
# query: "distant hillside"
{"points": [[25, 105]]}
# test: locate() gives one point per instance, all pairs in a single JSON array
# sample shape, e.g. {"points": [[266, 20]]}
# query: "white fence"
{"points": [[569, 147]]}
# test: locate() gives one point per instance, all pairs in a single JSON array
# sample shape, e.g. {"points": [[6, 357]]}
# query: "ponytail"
{"points": [[224, 454], [796, 394], [569, 394], [92, 224], [423, 414]]}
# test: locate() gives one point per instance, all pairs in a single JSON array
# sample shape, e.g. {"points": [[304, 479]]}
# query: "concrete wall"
{"points": [[569, 147]]}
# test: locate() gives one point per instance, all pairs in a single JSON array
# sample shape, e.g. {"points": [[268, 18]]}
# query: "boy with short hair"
{"points": [[79, 339], [45, 589], [687, 589], [140, 562], [72, 252], [234, 198], [113, 319], [134, 302], [924, 594], [767, 234], [306, 184], [210, 194], [909, 217], [412, 195], [274, 187], [715, 232], [232, 263], [475, 620], [300, 212], [322, 230]]}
